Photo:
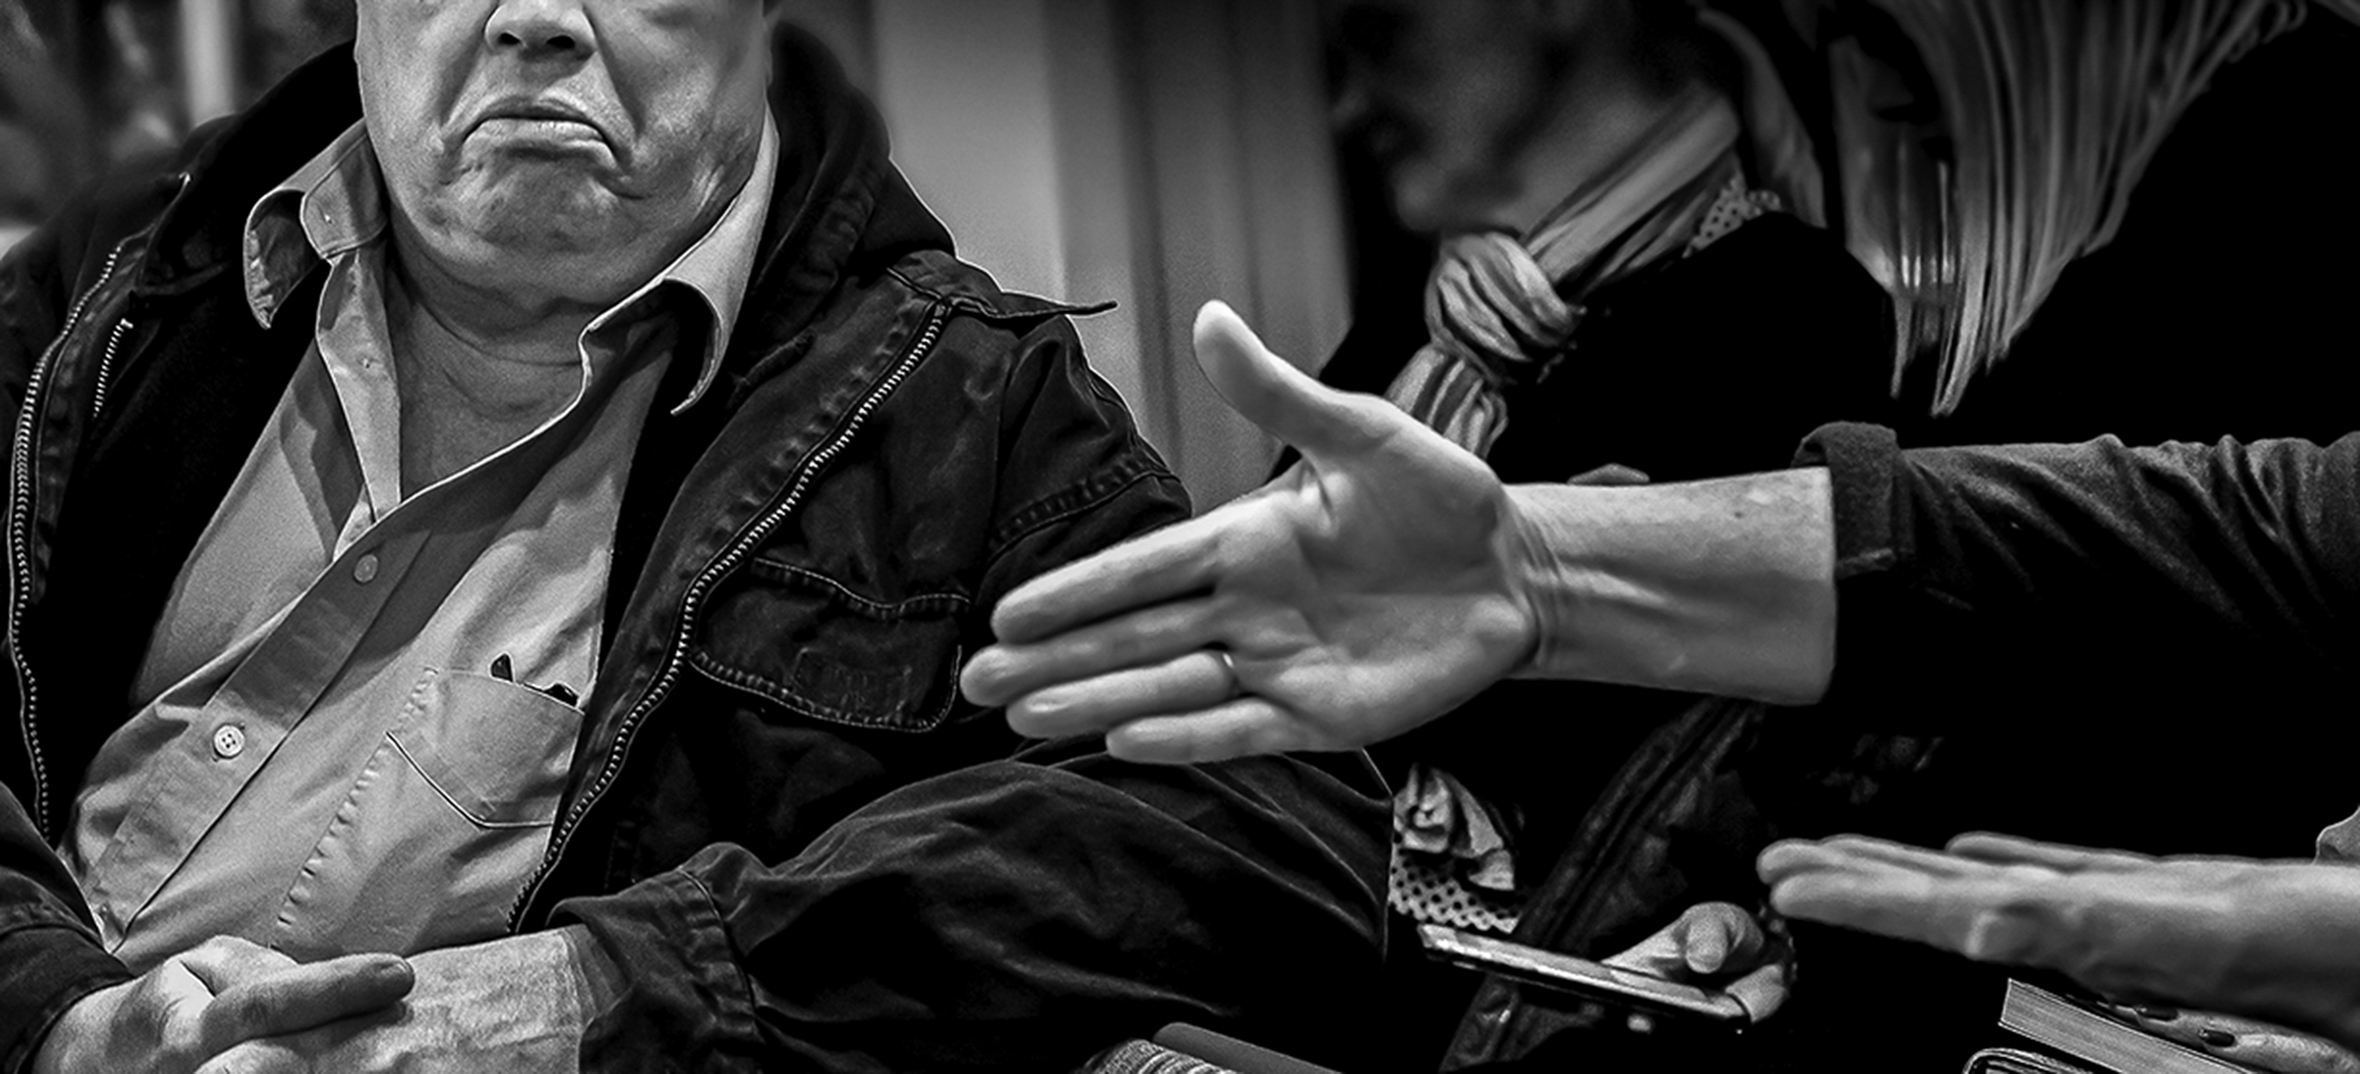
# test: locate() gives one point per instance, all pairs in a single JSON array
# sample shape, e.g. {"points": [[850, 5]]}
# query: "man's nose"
{"points": [[539, 28]]}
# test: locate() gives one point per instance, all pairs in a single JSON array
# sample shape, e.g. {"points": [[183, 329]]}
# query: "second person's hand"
{"points": [[1371, 588], [1716, 944]]}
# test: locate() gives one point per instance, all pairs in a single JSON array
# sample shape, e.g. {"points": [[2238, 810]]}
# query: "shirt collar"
{"points": [[332, 205], [335, 203]]}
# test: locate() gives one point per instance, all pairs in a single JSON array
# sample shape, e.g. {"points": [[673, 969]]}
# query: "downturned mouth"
{"points": [[536, 110]]}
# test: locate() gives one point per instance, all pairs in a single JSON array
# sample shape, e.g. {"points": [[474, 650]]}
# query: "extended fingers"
{"points": [[1145, 570], [1893, 904], [1857, 852], [1186, 683], [1142, 638], [2010, 850], [1245, 727]]}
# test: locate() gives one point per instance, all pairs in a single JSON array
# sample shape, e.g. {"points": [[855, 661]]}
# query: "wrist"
{"points": [[599, 983], [1536, 587], [58, 1048], [1723, 586]]}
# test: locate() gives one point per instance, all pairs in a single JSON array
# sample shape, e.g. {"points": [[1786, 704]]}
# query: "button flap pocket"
{"points": [[815, 647], [497, 750]]}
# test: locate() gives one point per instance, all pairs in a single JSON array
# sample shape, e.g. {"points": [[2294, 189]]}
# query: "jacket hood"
{"points": [[839, 209]]}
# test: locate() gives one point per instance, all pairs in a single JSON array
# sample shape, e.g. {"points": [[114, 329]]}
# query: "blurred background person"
{"points": [[1619, 293]]}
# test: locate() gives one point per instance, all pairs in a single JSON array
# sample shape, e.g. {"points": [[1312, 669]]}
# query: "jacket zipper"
{"points": [[677, 658], [20, 532], [106, 368]]}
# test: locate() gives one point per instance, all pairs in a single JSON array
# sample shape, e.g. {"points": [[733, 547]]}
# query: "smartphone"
{"points": [[1582, 977]]}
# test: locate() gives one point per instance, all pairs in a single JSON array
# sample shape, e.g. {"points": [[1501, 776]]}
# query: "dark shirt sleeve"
{"points": [[1040, 904], [2250, 548]]}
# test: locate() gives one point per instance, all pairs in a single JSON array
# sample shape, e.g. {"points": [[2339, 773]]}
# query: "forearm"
{"points": [[1723, 586], [2240, 544], [2298, 969], [2278, 942]]}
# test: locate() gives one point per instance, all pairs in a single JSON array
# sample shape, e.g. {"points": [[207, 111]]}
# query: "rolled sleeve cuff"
{"points": [[685, 1003], [1861, 462]]}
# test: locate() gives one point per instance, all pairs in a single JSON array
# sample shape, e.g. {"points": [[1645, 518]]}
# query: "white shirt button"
{"points": [[229, 740], [364, 569]]}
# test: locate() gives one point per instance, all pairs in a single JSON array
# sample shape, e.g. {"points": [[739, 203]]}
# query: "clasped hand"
{"points": [[1366, 590], [514, 1005]]}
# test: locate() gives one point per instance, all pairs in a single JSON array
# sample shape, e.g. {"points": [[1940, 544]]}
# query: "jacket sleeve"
{"points": [[49, 951], [2246, 548], [1026, 912]]}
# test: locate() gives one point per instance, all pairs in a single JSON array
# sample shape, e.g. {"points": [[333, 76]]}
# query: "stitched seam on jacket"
{"points": [[945, 602], [980, 305], [1087, 494], [788, 699]]}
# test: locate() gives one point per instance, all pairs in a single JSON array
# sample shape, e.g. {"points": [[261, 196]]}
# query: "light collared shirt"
{"points": [[354, 719]]}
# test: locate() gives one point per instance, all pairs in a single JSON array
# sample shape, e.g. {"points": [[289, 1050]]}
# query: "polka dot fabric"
{"points": [[1730, 210], [1423, 889]]}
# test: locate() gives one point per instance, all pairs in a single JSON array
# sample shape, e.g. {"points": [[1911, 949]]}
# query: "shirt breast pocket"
{"points": [[496, 751], [445, 822]]}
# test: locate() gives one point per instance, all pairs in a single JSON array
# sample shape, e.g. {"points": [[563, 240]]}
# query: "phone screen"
{"points": [[1579, 975]]}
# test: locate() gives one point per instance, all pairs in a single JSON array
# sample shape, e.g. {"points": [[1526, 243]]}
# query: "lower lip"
{"points": [[539, 131]]}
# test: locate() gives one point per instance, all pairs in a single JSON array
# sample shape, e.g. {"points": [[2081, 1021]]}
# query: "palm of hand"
{"points": [[1367, 590], [1361, 614]]}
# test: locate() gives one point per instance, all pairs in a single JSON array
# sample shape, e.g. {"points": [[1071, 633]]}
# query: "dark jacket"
{"points": [[803, 848]]}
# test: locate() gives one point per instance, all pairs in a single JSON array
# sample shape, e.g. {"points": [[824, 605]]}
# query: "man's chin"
{"points": [[1432, 203], [522, 209]]}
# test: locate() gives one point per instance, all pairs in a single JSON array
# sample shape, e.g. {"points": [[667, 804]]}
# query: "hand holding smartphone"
{"points": [[1581, 977]]}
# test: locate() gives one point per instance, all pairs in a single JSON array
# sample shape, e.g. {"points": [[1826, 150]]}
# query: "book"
{"points": [[2084, 1032]]}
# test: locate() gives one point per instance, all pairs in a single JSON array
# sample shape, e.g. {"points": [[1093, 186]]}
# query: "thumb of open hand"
{"points": [[1270, 392]]}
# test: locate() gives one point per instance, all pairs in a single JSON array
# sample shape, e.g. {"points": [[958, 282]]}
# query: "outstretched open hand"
{"points": [[2273, 941], [1365, 591]]}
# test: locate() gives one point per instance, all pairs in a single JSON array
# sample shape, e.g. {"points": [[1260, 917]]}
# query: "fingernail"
{"points": [[2214, 1038], [2158, 1014]]}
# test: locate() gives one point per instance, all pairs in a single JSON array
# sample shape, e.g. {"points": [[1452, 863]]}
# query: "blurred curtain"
{"points": [[1156, 155], [1218, 115]]}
